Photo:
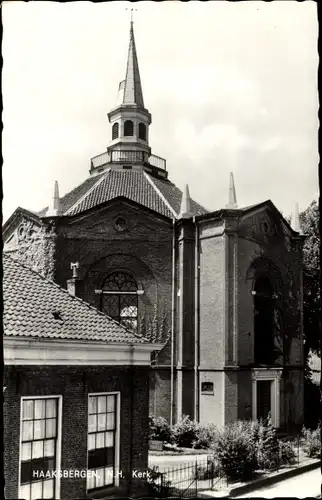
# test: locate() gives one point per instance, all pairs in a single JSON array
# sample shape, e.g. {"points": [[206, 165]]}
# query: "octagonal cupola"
{"points": [[129, 140]]}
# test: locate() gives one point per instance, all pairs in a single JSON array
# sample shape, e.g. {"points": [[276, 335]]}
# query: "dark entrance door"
{"points": [[264, 399]]}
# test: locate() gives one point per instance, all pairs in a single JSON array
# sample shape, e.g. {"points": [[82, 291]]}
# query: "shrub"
{"points": [[159, 429], [287, 454], [184, 433], [312, 442], [235, 452], [205, 436], [267, 446]]}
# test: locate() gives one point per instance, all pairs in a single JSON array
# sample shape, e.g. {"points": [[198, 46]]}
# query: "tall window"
{"points": [[102, 428], [120, 298], [264, 306], [115, 131], [128, 127], [39, 439], [142, 131]]}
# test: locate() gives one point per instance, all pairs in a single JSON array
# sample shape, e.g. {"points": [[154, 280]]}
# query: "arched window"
{"points": [[264, 316], [120, 299], [128, 127], [142, 131], [115, 131]]}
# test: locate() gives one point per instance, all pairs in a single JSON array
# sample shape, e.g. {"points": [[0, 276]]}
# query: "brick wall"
{"points": [[74, 384]]}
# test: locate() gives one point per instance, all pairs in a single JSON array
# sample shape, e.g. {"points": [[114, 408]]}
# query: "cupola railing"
{"points": [[128, 157]]}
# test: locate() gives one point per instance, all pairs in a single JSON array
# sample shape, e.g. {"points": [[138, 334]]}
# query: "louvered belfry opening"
{"points": [[128, 128]]}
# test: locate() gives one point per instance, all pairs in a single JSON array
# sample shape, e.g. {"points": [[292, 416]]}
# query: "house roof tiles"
{"points": [[37, 307]]}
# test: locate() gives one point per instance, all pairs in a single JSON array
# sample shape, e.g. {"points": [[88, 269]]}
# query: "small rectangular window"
{"points": [[207, 387]]}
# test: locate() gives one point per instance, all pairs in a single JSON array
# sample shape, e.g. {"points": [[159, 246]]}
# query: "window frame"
{"points": [[59, 399], [116, 481], [142, 127], [120, 295]]}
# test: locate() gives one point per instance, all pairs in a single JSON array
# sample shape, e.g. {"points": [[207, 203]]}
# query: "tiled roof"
{"points": [[156, 194], [37, 307]]}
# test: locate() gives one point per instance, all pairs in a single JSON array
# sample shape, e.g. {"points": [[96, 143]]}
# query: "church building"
{"points": [[221, 290]]}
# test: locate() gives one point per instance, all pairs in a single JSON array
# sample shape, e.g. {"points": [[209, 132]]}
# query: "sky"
{"points": [[231, 86]]}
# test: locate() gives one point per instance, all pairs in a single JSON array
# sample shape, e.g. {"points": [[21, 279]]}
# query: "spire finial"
{"points": [[185, 210], [131, 10], [54, 207], [296, 225], [232, 199]]}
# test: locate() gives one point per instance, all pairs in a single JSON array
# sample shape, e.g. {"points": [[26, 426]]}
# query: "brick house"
{"points": [[76, 394], [222, 290]]}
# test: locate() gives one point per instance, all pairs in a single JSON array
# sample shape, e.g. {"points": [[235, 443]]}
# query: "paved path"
{"points": [[302, 486]]}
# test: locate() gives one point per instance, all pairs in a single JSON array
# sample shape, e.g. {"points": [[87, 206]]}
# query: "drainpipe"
{"points": [[173, 319], [196, 282]]}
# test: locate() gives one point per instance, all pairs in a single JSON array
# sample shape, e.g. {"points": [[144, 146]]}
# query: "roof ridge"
{"points": [[163, 198], [87, 192], [53, 283]]}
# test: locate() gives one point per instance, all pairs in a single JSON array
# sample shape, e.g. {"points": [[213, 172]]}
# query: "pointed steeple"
{"points": [[185, 210], [130, 90], [54, 207], [232, 203], [296, 225]]}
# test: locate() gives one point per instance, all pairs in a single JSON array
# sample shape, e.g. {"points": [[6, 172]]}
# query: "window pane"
{"points": [[92, 405], [101, 404], [27, 430], [109, 439], [100, 478], [26, 451], [100, 440], [110, 421], [25, 492], [39, 429], [50, 427], [101, 424], [40, 408], [27, 409], [92, 427], [51, 408], [90, 480], [49, 450], [37, 449], [91, 441], [36, 490], [48, 491], [109, 475], [110, 403]]}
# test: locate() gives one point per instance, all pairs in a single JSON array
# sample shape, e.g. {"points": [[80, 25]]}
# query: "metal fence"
{"points": [[187, 479]]}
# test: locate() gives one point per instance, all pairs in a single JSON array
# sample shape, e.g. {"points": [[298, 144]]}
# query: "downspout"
{"points": [[172, 319], [196, 314]]}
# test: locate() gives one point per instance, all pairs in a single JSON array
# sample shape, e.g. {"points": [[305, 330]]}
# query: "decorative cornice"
{"points": [[25, 351]]}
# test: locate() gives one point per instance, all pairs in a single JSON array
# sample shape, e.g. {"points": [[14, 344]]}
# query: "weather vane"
{"points": [[132, 10]]}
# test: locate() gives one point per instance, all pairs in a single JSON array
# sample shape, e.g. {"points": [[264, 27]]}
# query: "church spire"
{"points": [[131, 88], [232, 203]]}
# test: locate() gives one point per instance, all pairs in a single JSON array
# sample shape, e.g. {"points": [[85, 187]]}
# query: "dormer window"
{"points": [[115, 131], [128, 128], [142, 131]]}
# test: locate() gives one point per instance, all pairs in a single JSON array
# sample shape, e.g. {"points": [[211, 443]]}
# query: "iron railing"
{"points": [[187, 479], [128, 157]]}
